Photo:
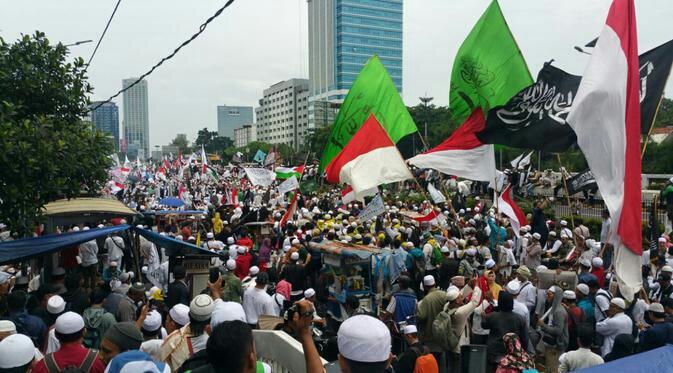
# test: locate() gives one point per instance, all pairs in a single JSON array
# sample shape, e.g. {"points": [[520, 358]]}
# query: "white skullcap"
{"points": [[100, 226], [552, 233], [309, 293], [75, 229], [113, 264], [513, 287], [597, 262], [583, 288], [294, 256], [540, 268], [55, 305], [428, 280], [295, 242], [226, 311], [468, 209], [656, 307], [452, 293], [180, 314], [410, 329], [619, 302], [191, 238], [231, 264], [537, 236], [564, 223], [230, 240], [444, 249], [569, 294], [16, 351], [69, 323], [667, 269], [254, 270], [241, 249], [152, 321], [59, 271], [140, 226], [85, 228], [364, 339], [471, 251], [7, 326], [409, 244], [201, 307], [489, 264], [210, 235], [461, 211], [585, 262], [662, 240]]}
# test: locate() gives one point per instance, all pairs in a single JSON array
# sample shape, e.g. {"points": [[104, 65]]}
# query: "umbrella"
{"points": [[171, 202]]}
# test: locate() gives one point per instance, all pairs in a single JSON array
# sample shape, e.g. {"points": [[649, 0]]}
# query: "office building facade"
{"points": [[231, 117], [245, 135], [136, 116], [282, 115], [105, 117], [343, 35]]}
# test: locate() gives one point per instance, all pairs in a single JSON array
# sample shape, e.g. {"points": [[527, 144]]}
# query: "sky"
{"points": [[257, 43]]}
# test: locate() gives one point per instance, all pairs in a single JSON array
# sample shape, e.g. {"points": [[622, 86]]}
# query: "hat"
{"points": [[667, 269], [254, 270], [59, 271], [7, 326], [69, 323], [230, 240], [656, 308], [231, 264], [410, 329], [226, 311], [569, 294], [137, 361], [471, 252], [583, 288], [458, 281], [552, 233], [597, 262], [585, 262], [524, 271], [452, 293], [364, 339], [113, 264], [152, 321], [295, 242], [210, 235], [513, 287], [16, 351], [126, 276], [201, 307], [309, 293], [55, 305], [294, 256], [564, 223], [619, 302], [124, 335], [444, 249], [155, 293], [240, 249], [428, 280], [490, 263], [180, 314], [536, 236]]}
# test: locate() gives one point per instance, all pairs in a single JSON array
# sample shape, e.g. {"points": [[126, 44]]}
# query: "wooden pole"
{"points": [[565, 187]]}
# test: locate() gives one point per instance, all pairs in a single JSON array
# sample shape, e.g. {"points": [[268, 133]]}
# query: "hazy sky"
{"points": [[256, 43]]}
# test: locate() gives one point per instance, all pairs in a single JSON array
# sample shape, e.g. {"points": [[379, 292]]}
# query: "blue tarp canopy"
{"points": [[176, 212], [173, 247], [26, 248], [657, 360], [171, 202]]}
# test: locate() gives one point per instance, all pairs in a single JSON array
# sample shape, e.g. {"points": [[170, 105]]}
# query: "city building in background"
{"points": [[282, 115], [136, 116], [106, 119], [231, 117], [343, 35], [245, 135]]}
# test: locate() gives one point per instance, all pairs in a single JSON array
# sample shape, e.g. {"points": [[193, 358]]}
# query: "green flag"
{"points": [[489, 68], [372, 92]]}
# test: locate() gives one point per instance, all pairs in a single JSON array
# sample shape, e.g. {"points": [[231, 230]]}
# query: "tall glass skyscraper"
{"points": [[343, 34], [136, 115], [106, 119]]}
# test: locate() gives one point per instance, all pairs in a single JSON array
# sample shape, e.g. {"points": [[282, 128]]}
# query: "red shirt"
{"points": [[243, 262], [70, 354], [245, 241], [600, 275]]}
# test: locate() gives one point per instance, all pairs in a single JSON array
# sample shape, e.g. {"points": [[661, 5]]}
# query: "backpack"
{"points": [[442, 330], [84, 367], [437, 256], [92, 338], [425, 361]]}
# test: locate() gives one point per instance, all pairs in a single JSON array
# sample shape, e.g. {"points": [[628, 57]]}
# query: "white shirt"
{"points": [[153, 348], [527, 295], [114, 246], [427, 252], [53, 343], [578, 359], [522, 310], [554, 248], [88, 251], [605, 229], [602, 304], [612, 327], [257, 302], [278, 300]]}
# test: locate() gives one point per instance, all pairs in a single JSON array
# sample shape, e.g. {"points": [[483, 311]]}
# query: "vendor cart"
{"points": [[351, 265]]}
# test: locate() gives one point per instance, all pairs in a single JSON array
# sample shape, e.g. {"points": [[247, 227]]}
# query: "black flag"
{"points": [[535, 117], [582, 181]]}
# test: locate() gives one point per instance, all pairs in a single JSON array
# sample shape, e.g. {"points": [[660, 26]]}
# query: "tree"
{"points": [[46, 151], [181, 142], [212, 141]]}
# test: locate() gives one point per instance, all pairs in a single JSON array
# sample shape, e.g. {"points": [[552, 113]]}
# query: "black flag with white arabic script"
{"points": [[535, 117], [582, 181]]}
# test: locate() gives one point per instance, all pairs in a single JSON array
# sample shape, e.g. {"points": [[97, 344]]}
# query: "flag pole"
{"points": [[565, 187]]}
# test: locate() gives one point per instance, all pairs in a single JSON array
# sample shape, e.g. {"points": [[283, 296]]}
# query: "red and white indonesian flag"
{"points": [[507, 206], [348, 195], [606, 118], [462, 154], [368, 160], [204, 160], [291, 209]]}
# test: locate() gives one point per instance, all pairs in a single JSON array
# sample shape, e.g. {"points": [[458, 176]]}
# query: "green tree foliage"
{"points": [[46, 151], [665, 115], [438, 121], [316, 140], [182, 143], [212, 141]]}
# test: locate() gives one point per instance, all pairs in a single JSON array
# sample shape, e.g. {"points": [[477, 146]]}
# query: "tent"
{"points": [[657, 360], [26, 248]]}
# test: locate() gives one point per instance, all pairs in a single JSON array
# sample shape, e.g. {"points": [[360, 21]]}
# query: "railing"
{"points": [[594, 209], [283, 353]]}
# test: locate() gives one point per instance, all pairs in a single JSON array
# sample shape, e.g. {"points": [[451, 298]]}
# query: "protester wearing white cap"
{"points": [[406, 361], [152, 333], [468, 265], [16, 353], [363, 342], [178, 317], [616, 323], [55, 307], [191, 338]]}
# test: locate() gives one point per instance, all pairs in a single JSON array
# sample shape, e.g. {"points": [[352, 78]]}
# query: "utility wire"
{"points": [[102, 35], [202, 28]]}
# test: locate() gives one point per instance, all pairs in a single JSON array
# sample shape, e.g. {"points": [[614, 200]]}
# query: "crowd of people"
{"points": [[540, 296]]}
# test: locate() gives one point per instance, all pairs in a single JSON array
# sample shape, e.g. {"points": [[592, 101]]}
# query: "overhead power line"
{"points": [[202, 28], [102, 35]]}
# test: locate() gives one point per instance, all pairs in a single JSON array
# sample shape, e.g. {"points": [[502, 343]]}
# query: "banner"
{"points": [[373, 209], [521, 161], [270, 158], [435, 194], [260, 176], [260, 156], [583, 181], [655, 66], [288, 185]]}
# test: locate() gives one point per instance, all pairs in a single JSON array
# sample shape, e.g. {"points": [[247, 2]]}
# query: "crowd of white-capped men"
{"points": [[464, 278]]}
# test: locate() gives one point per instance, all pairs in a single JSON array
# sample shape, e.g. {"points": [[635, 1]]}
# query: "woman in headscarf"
{"points": [[516, 360], [264, 256], [493, 286], [554, 328]]}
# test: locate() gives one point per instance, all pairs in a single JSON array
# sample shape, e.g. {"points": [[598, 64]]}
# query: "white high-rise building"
{"points": [[245, 135], [136, 115], [282, 115]]}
